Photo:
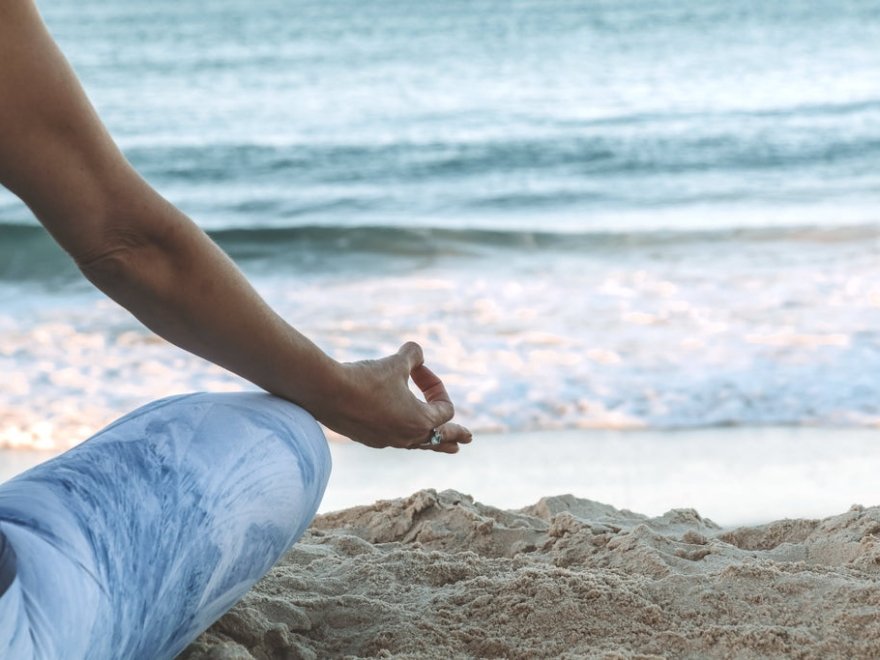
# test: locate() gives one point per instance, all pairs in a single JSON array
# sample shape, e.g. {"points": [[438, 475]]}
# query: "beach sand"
{"points": [[438, 575], [441, 576]]}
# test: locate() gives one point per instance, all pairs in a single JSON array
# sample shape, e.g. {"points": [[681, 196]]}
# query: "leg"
{"points": [[131, 544]]}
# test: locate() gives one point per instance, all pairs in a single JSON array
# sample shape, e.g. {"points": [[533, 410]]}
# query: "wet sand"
{"points": [[736, 476]]}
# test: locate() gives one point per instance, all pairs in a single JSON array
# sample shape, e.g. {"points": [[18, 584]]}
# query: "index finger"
{"points": [[435, 393]]}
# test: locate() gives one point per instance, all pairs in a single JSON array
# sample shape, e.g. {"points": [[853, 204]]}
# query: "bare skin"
{"points": [[58, 157]]}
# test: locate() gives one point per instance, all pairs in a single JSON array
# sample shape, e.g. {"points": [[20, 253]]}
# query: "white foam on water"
{"points": [[695, 335]]}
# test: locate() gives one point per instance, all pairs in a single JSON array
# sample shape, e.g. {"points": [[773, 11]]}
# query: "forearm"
{"points": [[56, 155], [175, 280]]}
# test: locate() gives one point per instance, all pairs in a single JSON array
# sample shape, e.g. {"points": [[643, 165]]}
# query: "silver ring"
{"points": [[436, 437]]}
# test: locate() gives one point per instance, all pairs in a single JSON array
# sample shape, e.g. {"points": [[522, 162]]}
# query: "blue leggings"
{"points": [[134, 542]]}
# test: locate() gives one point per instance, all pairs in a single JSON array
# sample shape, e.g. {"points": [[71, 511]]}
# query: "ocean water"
{"points": [[591, 213]]}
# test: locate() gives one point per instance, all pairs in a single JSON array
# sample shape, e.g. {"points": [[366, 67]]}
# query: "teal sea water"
{"points": [[591, 213]]}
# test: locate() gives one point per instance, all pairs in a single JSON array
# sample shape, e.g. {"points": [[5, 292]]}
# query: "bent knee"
{"points": [[257, 417]]}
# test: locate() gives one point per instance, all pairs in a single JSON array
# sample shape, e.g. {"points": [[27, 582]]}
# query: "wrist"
{"points": [[316, 383]]}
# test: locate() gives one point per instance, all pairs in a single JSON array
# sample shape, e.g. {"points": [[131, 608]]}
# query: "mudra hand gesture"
{"points": [[377, 408]]}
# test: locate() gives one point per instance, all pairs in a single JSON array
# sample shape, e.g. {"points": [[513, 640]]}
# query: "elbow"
{"points": [[142, 250], [133, 240], [115, 263], [108, 268]]}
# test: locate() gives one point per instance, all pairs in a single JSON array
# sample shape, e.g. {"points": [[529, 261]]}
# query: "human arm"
{"points": [[56, 155]]}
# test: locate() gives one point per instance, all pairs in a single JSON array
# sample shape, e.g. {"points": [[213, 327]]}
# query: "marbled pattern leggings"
{"points": [[134, 542]]}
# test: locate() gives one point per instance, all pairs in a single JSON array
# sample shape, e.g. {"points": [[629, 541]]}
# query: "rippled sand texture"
{"points": [[439, 575]]}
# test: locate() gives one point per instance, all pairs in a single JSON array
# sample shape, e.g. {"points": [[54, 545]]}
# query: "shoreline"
{"points": [[734, 475]]}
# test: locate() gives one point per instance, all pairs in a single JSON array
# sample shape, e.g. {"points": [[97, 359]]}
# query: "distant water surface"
{"points": [[592, 213]]}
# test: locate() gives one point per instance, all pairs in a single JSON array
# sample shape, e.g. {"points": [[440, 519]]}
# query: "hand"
{"points": [[376, 407]]}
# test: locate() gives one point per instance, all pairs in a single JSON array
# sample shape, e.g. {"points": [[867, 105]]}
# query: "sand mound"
{"points": [[440, 576]]}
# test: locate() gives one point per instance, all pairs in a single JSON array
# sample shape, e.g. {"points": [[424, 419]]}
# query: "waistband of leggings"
{"points": [[7, 564]]}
